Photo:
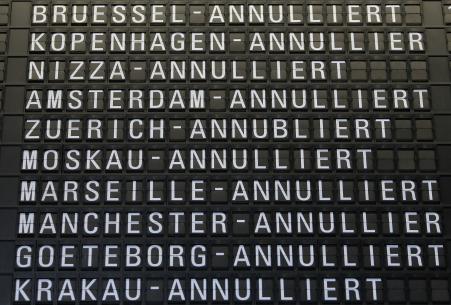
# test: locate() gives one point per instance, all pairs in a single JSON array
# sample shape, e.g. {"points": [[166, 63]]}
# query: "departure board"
{"points": [[225, 152]]}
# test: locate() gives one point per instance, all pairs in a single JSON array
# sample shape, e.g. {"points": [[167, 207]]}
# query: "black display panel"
{"points": [[225, 152]]}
